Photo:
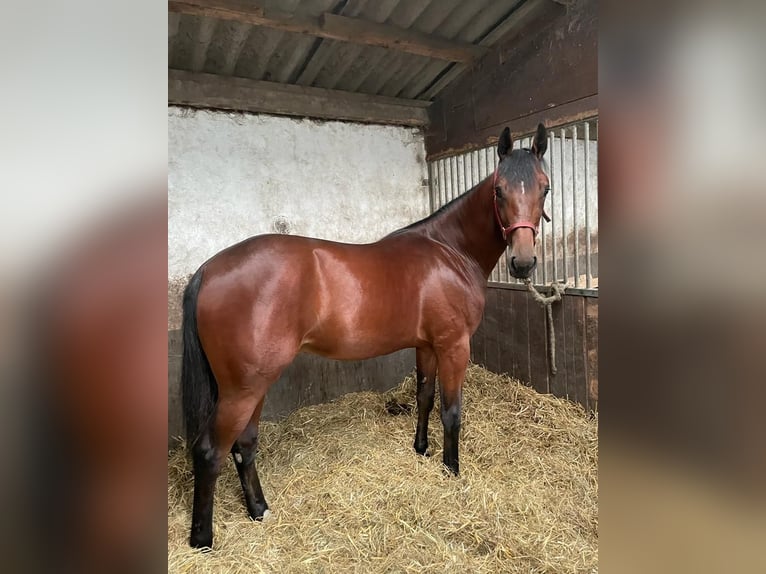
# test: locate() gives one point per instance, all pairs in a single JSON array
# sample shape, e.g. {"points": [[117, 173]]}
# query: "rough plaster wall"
{"points": [[232, 176]]}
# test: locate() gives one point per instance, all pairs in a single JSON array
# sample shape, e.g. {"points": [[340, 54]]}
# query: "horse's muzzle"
{"points": [[521, 267]]}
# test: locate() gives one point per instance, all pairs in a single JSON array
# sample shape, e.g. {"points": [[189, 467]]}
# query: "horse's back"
{"points": [[284, 294]]}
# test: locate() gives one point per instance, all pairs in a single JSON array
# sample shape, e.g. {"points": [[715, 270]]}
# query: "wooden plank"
{"points": [[240, 94], [538, 347], [439, 145], [391, 37], [569, 336], [175, 413], [558, 383], [334, 27], [506, 323], [492, 325], [520, 335], [591, 350], [577, 329], [545, 290], [511, 327]]}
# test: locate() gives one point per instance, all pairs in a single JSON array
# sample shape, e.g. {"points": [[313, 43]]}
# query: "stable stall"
{"points": [[347, 120]]}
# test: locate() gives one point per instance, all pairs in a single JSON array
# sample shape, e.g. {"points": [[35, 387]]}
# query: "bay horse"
{"points": [[252, 307]]}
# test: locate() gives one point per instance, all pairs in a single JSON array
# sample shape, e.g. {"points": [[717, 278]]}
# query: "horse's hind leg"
{"points": [[243, 452], [232, 415], [453, 361], [426, 386]]}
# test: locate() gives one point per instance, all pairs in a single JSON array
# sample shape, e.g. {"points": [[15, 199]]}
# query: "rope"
{"points": [[557, 290]]}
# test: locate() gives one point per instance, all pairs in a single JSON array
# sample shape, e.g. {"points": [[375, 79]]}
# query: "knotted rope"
{"points": [[557, 290]]}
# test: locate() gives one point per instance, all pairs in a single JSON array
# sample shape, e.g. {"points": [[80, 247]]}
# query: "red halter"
{"points": [[507, 230]]}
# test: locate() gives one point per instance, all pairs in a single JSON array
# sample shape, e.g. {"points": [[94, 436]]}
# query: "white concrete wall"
{"points": [[231, 176]]}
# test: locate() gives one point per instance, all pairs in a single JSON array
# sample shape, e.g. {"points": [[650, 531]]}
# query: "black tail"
{"points": [[199, 390]]}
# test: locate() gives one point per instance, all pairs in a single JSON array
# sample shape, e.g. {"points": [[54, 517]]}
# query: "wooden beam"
{"points": [[241, 94], [387, 36], [474, 138], [334, 27], [505, 30]]}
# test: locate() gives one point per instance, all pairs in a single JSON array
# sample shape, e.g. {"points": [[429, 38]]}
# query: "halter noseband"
{"points": [[507, 230]]}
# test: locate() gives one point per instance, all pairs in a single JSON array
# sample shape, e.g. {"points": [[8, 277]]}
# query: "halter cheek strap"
{"points": [[507, 230]]}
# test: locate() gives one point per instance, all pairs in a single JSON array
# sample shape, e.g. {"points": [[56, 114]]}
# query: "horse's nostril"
{"points": [[524, 266]]}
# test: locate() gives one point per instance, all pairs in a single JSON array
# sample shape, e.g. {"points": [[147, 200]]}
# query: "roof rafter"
{"points": [[332, 26]]}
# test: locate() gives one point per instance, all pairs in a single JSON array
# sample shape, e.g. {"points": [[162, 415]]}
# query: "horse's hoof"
{"points": [[451, 470], [260, 511], [202, 542], [422, 449]]}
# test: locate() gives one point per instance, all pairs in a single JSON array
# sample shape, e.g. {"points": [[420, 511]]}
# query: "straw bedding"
{"points": [[349, 494]]}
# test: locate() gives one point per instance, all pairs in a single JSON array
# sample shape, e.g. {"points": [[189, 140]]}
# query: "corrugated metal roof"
{"points": [[230, 48]]}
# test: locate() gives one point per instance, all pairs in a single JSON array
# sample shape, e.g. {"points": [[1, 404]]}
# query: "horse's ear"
{"points": [[540, 145], [504, 144]]}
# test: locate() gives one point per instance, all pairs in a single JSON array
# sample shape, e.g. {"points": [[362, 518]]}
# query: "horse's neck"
{"points": [[470, 228]]}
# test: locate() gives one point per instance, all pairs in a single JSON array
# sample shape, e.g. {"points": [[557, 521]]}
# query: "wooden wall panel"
{"points": [[538, 347], [494, 327], [591, 354], [547, 72], [505, 314], [558, 382], [518, 342], [514, 330]]}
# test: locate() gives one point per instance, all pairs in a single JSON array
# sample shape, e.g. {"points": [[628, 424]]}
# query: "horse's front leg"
{"points": [[452, 364], [425, 360]]}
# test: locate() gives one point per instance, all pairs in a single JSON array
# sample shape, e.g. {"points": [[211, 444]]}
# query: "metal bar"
{"points": [[544, 258], [442, 182], [554, 193], [562, 138], [431, 184], [455, 178], [489, 162], [457, 187], [466, 171], [575, 230], [586, 139], [536, 273], [445, 181]]}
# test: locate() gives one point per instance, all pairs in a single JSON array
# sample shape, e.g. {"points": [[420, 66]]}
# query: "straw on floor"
{"points": [[349, 494]]}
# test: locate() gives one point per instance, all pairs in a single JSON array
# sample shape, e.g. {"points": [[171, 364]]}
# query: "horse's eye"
{"points": [[547, 189], [498, 191]]}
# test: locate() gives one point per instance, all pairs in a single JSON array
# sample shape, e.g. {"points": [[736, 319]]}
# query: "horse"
{"points": [[251, 308]]}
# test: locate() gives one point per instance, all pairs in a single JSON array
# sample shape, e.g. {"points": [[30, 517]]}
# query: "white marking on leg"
{"points": [[238, 457]]}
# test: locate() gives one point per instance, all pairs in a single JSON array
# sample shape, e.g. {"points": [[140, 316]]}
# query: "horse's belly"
{"points": [[352, 336], [353, 351]]}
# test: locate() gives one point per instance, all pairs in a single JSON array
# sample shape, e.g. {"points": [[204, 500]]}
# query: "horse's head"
{"points": [[521, 185]]}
